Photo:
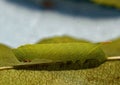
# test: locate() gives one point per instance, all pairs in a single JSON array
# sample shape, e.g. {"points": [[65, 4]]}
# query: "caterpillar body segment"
{"points": [[86, 54]]}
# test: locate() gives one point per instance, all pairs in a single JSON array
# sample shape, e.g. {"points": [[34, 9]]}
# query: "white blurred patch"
{"points": [[19, 25]]}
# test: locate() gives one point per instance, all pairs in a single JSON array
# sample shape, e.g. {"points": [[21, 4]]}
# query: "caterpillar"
{"points": [[86, 55], [61, 56]]}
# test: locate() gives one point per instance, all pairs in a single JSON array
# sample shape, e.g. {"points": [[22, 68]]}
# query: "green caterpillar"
{"points": [[84, 54]]}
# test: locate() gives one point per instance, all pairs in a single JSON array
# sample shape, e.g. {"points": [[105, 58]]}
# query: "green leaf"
{"points": [[7, 57], [113, 48], [110, 3], [106, 74]]}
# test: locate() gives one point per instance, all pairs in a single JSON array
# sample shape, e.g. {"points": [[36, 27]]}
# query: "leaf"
{"points": [[112, 49], [112, 3], [7, 57], [106, 74]]}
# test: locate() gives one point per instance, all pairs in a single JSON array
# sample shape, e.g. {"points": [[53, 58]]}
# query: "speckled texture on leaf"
{"points": [[106, 74]]}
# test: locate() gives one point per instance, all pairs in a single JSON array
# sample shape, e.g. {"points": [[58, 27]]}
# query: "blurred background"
{"points": [[28, 21]]}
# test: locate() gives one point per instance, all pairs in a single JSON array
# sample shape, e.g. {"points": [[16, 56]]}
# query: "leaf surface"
{"points": [[112, 49], [7, 57]]}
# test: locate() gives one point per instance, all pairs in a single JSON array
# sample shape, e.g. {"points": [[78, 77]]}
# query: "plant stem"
{"points": [[6, 67], [113, 58]]}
